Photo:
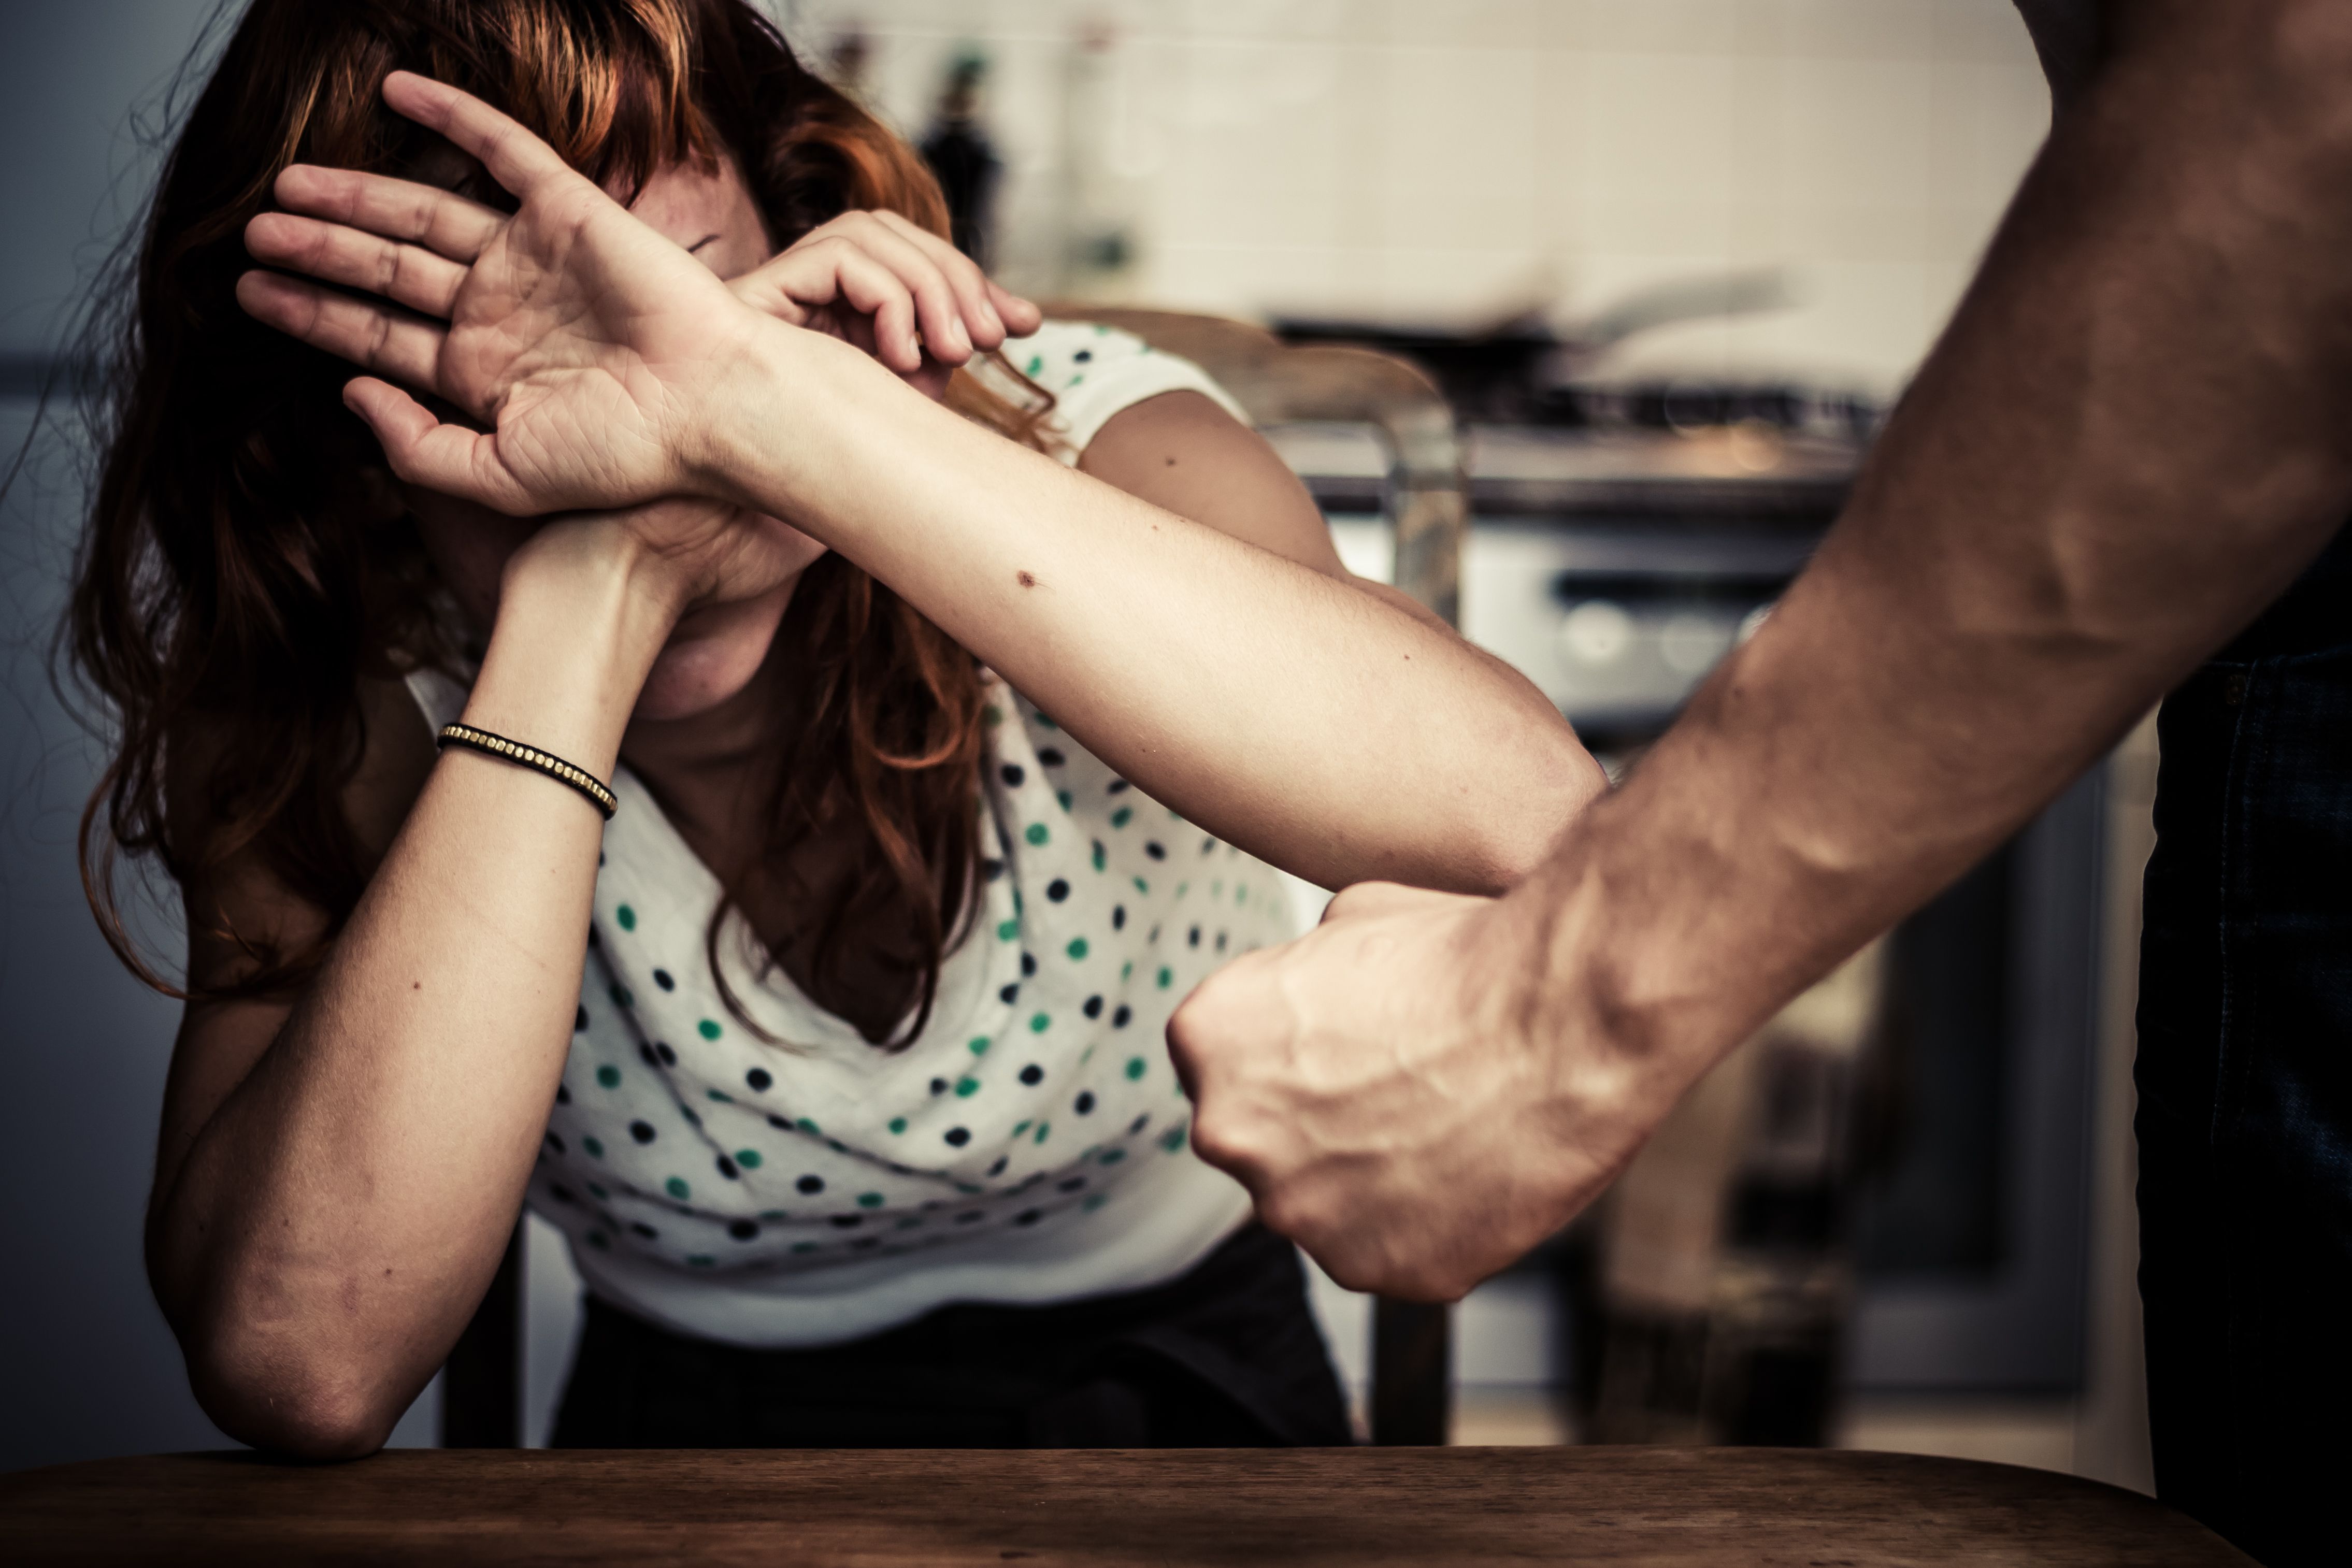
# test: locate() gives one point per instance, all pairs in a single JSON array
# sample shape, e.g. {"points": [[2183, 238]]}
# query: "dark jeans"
{"points": [[1225, 1356], [2245, 1083]]}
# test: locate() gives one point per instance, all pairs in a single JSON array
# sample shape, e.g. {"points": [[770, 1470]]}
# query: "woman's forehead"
{"points": [[700, 203]]}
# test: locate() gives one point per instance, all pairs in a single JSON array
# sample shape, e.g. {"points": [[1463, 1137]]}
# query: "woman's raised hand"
{"points": [[587, 343]]}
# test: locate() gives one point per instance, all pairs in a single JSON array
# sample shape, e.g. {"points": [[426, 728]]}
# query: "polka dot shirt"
{"points": [[1029, 1146]]}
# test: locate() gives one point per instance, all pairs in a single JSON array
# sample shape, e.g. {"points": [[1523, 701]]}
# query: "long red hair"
{"points": [[243, 568]]}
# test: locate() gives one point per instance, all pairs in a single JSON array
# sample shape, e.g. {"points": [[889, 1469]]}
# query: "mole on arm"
{"points": [[1026, 579]]}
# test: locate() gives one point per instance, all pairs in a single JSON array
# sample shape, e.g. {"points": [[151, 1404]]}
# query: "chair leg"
{"points": [[1413, 1373], [481, 1383]]}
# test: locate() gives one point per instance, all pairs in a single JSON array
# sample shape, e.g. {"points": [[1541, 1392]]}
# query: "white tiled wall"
{"points": [[1453, 159]]}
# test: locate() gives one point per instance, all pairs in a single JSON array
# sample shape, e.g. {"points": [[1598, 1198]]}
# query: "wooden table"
{"points": [[1655, 1507]]}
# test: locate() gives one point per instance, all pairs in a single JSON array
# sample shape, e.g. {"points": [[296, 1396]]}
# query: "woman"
{"points": [[854, 1101]]}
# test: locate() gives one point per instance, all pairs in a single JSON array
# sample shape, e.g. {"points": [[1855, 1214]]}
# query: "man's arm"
{"points": [[2137, 431]]}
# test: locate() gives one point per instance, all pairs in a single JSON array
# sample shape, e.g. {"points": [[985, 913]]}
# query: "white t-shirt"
{"points": [[1029, 1146]]}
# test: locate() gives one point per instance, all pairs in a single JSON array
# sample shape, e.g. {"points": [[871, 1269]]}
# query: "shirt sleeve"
{"points": [[1095, 373]]}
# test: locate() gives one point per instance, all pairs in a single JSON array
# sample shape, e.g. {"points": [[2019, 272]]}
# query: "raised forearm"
{"points": [[327, 1232], [1288, 712], [2130, 440]]}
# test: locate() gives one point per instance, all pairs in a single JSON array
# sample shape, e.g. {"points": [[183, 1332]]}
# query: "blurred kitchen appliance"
{"points": [[1614, 563]]}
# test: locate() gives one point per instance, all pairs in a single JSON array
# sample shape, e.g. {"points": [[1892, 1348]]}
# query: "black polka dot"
{"points": [[998, 1168], [1057, 890], [1009, 994], [1085, 1103], [669, 1057], [1119, 917], [563, 1095], [970, 1216], [580, 1021], [1070, 1186], [1029, 1217], [1116, 787], [992, 870], [1050, 758], [1207, 845], [726, 1168], [779, 1125], [1083, 356], [847, 1221], [866, 1244], [662, 978], [957, 1136], [562, 1194], [759, 1079], [743, 1229], [811, 1185], [555, 1142], [939, 1086], [642, 1229], [645, 1054], [1193, 939], [1221, 941], [1028, 964], [1137, 1125], [1033, 1074], [1094, 1007], [641, 1130], [1155, 849], [1011, 775], [1120, 1014]]}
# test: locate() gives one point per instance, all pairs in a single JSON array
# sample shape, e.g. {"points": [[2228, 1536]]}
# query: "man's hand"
{"points": [[1390, 1098]]}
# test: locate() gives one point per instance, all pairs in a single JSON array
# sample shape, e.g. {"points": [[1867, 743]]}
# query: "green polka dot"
{"points": [[748, 1158], [1077, 948], [1112, 1156], [992, 715], [701, 1260], [1140, 885], [1127, 968], [804, 1246], [708, 1030], [609, 1076], [978, 1045], [596, 1238], [1046, 723], [1122, 817], [1167, 976], [1076, 379], [1183, 888], [774, 1214], [1099, 856], [621, 997], [869, 1200], [1136, 1066], [912, 1222], [1094, 1200], [722, 1098], [805, 1126], [1043, 1128], [1040, 1023], [596, 1191], [595, 1150], [1241, 894], [627, 916], [1022, 1127], [1065, 796], [1038, 833], [898, 1124], [1008, 930], [675, 1187], [966, 1088], [1172, 1139], [969, 1186], [1036, 364]]}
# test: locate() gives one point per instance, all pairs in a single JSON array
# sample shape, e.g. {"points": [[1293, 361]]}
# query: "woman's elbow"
{"points": [[1552, 785], [303, 1404]]}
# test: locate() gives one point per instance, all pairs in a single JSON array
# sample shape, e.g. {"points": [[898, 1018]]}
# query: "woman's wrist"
{"points": [[584, 608]]}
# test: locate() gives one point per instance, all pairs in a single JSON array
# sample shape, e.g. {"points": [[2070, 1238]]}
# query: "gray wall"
{"points": [[88, 1368]]}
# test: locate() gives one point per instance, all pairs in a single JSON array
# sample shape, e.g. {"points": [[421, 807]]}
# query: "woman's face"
{"points": [[719, 643]]}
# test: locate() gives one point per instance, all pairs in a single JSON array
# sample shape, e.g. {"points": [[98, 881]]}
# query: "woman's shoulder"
{"points": [[1095, 373]]}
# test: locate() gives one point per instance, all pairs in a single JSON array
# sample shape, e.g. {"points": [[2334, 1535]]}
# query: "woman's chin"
{"points": [[693, 678]]}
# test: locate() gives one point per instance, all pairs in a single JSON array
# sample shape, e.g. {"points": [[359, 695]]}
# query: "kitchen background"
{"points": [[1786, 198]]}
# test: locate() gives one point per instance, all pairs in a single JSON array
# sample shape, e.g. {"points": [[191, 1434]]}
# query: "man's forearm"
{"points": [[2137, 431]]}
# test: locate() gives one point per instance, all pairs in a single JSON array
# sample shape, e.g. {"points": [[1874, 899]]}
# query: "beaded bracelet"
{"points": [[514, 751]]}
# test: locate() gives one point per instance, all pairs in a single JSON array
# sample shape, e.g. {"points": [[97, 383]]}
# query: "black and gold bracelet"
{"points": [[522, 755]]}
